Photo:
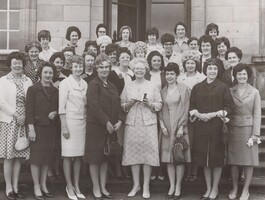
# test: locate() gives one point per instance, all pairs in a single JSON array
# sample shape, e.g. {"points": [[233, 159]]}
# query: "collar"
{"points": [[129, 72], [247, 92], [10, 77], [182, 91], [77, 85]]}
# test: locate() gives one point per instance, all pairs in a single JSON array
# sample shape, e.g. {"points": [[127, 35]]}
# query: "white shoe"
{"points": [[72, 197], [80, 196], [146, 195], [133, 193], [153, 177]]}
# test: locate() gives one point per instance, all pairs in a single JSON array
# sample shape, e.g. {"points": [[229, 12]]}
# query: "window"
{"points": [[9, 26]]}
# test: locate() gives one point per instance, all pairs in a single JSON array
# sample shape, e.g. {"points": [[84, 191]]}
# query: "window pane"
{"points": [[174, 13], [3, 18], [3, 36], [3, 5], [14, 40], [14, 20], [14, 4], [167, 1]]}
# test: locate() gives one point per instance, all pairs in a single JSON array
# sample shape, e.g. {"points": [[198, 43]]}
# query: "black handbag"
{"points": [[178, 149]]}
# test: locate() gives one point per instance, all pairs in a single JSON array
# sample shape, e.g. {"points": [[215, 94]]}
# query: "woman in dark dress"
{"points": [[41, 114], [104, 118], [210, 101]]}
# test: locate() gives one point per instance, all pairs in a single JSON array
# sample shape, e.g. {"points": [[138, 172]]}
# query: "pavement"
{"points": [[120, 188]]}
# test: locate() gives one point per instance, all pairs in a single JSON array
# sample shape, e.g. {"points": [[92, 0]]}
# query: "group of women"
{"points": [[130, 102]]}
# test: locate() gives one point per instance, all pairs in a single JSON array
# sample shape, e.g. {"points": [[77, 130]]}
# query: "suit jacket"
{"points": [[39, 104], [247, 109]]}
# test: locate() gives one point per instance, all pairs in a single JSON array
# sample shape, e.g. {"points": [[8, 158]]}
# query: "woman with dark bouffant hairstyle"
{"points": [[210, 103], [101, 30], [73, 34], [212, 30], [244, 128], [152, 35], [222, 44], [41, 116]]}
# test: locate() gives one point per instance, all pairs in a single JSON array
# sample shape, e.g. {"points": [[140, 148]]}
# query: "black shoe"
{"points": [[215, 198], [176, 197], [19, 194], [109, 196], [204, 198], [48, 194], [39, 197], [11, 195], [170, 196]]}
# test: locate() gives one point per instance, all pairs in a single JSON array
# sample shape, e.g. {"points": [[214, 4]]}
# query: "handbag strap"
{"points": [[223, 117], [19, 130]]}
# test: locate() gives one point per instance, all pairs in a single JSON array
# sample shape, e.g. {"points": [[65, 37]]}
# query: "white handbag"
{"points": [[22, 142]]}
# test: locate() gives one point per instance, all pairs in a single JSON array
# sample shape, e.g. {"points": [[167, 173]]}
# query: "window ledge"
{"points": [[259, 59]]}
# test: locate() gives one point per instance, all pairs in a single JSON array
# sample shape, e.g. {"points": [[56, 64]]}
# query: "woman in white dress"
{"points": [[141, 100], [72, 110]]}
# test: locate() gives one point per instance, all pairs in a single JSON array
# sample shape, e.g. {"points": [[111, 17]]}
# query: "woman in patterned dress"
{"points": [[13, 89], [32, 62], [141, 100], [41, 117]]}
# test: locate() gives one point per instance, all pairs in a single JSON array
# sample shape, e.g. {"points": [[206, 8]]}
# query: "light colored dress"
{"points": [[244, 123], [140, 135], [72, 103], [174, 116]]}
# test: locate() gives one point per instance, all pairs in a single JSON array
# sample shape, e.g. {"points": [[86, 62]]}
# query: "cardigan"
{"points": [[8, 95]]}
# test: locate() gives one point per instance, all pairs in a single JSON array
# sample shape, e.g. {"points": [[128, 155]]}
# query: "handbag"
{"points": [[22, 142], [180, 145], [225, 133]]}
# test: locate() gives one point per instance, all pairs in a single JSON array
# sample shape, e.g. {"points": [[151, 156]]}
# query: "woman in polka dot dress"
{"points": [[13, 88]]}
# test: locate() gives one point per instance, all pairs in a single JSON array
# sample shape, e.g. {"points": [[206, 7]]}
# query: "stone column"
{"points": [[28, 20]]}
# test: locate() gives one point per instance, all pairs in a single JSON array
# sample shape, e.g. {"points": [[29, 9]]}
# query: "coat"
{"points": [[39, 105], [208, 148], [180, 121], [103, 105]]}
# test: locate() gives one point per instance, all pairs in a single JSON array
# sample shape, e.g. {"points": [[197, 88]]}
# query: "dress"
{"points": [[244, 123], [140, 134], [40, 102], [208, 148], [9, 131], [103, 105], [173, 116], [30, 70], [72, 103]]}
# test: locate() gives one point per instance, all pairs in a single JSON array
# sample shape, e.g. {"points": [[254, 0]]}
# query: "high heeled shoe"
{"points": [[146, 195], [244, 197], [72, 197], [170, 196], [231, 196], [47, 194], [80, 196], [133, 193], [39, 197], [97, 198], [215, 198], [108, 196], [11, 195], [176, 197]]}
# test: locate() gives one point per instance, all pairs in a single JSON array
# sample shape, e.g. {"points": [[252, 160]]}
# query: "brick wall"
{"points": [[239, 20], [57, 16]]}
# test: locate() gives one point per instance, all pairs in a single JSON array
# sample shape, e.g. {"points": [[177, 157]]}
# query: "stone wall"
{"points": [[58, 15], [239, 20]]}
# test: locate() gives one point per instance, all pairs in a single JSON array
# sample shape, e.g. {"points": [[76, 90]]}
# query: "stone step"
{"points": [[261, 154], [260, 170]]}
